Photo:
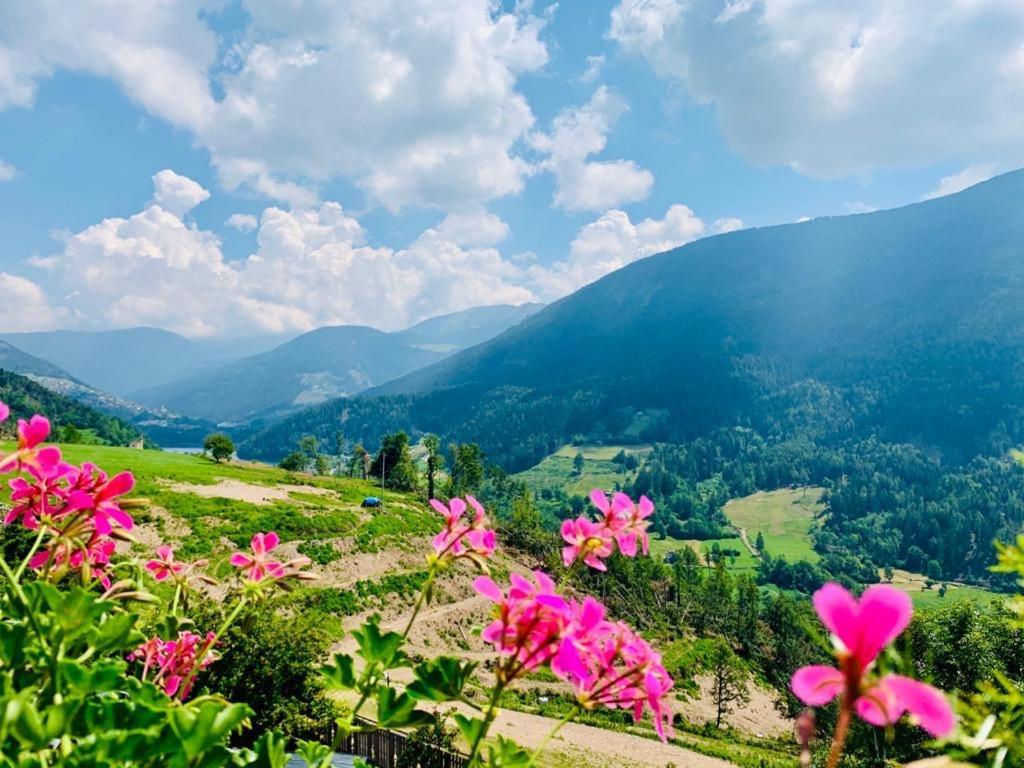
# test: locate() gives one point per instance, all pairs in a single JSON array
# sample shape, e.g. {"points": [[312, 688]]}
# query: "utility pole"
{"points": [[383, 474]]}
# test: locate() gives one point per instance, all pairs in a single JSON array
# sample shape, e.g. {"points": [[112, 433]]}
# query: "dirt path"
{"points": [[236, 490], [587, 745], [746, 542]]}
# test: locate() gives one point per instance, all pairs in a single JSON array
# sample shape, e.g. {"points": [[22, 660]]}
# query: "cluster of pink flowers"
{"points": [[463, 536], [861, 629], [607, 663], [78, 507], [260, 568], [166, 567], [623, 526], [174, 664]]}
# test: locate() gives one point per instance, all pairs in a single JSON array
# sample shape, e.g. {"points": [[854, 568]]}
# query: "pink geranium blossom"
{"points": [[610, 665], [4, 411], [861, 629], [463, 537], [173, 664], [260, 567], [529, 621], [587, 541], [31, 433], [92, 490], [163, 566], [91, 559]]}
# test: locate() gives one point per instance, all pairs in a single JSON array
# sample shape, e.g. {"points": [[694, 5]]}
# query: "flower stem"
{"points": [[842, 730], [19, 593], [489, 717], [551, 734], [31, 552], [421, 600]]}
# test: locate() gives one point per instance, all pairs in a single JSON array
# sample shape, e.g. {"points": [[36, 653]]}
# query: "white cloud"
{"points": [[578, 133], [956, 182], [311, 267], [480, 228], [25, 306], [7, 171], [243, 222], [856, 206], [177, 194], [416, 100], [613, 241], [593, 70], [844, 87]]}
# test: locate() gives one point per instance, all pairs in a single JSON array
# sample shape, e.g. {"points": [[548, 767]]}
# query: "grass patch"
{"points": [[915, 585], [784, 518], [557, 473]]}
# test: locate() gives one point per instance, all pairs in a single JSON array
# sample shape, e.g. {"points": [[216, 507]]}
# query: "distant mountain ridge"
{"points": [[912, 318], [324, 364], [122, 361]]}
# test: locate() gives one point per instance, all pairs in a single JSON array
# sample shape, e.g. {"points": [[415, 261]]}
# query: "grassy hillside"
{"points": [[557, 472], [783, 517], [25, 398]]}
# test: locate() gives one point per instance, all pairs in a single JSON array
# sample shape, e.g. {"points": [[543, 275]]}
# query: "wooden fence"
{"points": [[382, 749]]}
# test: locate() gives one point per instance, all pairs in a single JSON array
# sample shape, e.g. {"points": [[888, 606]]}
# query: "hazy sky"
{"points": [[240, 167]]}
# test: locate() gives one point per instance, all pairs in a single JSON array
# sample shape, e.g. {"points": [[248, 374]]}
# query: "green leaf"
{"points": [[269, 751], [440, 679], [376, 647], [312, 752], [342, 673], [507, 754], [397, 710], [471, 727]]}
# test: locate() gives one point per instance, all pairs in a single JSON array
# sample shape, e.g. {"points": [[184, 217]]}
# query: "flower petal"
{"points": [[837, 609], [485, 587], [600, 500], [927, 706], [879, 706], [817, 685], [884, 613]]}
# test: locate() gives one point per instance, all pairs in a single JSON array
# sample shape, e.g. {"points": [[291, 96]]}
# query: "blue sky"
{"points": [[381, 161]]}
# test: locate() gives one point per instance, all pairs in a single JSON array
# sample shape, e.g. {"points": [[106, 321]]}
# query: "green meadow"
{"points": [[784, 518]]}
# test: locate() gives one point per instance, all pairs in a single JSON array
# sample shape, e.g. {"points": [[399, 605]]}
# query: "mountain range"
{"points": [[910, 322], [168, 384]]}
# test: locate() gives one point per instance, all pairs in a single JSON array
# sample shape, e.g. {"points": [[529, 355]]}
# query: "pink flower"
{"points": [[91, 490], [610, 665], [529, 621], [175, 663], [43, 498], [4, 411], [90, 560], [28, 453], [259, 566], [631, 523], [164, 567], [586, 541], [461, 537], [860, 630]]}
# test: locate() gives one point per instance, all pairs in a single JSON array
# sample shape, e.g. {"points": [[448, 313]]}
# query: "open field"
{"points": [[556, 472], [915, 585], [784, 517], [742, 561]]}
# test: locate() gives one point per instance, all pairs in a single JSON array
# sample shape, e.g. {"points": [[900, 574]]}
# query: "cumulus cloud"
{"points": [[311, 267], [177, 194], [416, 100], [956, 182], [613, 241], [480, 228], [25, 306], [594, 66], [7, 171], [843, 87], [243, 222], [576, 134]]}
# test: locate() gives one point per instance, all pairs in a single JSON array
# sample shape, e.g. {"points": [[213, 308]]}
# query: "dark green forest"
{"points": [[25, 398]]}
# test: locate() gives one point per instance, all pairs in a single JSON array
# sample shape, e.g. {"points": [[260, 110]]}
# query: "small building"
{"points": [[138, 444]]}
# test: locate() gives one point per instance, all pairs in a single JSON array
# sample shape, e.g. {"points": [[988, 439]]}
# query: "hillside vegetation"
{"points": [[876, 356], [25, 398]]}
